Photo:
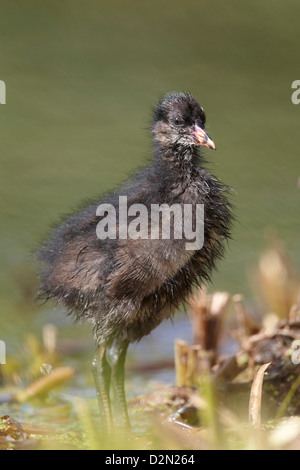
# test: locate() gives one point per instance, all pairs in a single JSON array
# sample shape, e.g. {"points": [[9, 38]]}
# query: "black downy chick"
{"points": [[128, 285]]}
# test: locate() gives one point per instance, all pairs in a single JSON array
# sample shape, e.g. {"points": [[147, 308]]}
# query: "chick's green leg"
{"points": [[102, 374], [117, 356]]}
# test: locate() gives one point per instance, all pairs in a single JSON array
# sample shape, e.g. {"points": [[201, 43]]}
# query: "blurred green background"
{"points": [[82, 79]]}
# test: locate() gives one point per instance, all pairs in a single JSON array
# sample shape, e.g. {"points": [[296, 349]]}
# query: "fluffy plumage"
{"points": [[127, 287]]}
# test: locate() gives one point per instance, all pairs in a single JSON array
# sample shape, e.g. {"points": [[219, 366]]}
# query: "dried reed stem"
{"points": [[255, 397]]}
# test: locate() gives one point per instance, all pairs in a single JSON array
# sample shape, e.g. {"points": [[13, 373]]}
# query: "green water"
{"points": [[82, 78]]}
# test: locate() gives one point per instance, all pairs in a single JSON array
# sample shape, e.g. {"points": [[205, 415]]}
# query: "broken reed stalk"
{"points": [[181, 362], [45, 384], [255, 397], [50, 338], [191, 363], [207, 314]]}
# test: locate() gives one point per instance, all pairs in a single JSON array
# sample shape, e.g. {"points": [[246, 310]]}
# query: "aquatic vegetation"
{"points": [[243, 398]]}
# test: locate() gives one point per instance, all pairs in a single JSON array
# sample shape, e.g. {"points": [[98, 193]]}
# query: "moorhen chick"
{"points": [[124, 285]]}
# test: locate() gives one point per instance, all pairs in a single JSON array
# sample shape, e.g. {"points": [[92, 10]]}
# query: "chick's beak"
{"points": [[202, 138]]}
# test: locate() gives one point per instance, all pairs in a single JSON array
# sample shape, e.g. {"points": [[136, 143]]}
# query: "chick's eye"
{"points": [[177, 121]]}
